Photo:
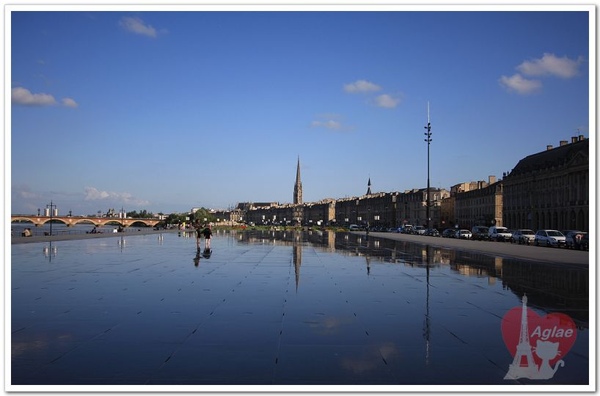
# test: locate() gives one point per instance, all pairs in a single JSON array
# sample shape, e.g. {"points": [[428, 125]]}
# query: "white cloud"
{"points": [[519, 84], [329, 124], [330, 121], [550, 65], [22, 96], [93, 194], [360, 86], [386, 101], [68, 102], [137, 26]]}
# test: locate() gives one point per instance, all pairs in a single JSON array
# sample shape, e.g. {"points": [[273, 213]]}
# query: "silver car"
{"points": [[523, 236], [549, 238], [463, 234]]}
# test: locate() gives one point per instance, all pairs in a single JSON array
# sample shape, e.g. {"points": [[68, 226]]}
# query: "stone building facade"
{"points": [[391, 210], [479, 206], [550, 189]]}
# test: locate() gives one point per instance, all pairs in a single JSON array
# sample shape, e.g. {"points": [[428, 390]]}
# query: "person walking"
{"points": [[207, 232], [198, 228]]}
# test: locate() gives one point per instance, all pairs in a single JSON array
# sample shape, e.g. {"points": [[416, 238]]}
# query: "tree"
{"points": [[202, 214]]}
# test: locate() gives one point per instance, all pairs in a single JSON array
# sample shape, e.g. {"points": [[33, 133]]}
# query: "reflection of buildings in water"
{"points": [[549, 287], [427, 320], [297, 256]]}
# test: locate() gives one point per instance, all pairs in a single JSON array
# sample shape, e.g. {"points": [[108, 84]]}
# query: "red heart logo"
{"points": [[550, 337]]}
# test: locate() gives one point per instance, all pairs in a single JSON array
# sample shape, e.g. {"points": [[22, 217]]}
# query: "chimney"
{"points": [[549, 147], [492, 179], [574, 139], [563, 143], [580, 138]]}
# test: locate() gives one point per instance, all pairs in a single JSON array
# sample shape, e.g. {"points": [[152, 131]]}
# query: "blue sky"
{"points": [[165, 111]]}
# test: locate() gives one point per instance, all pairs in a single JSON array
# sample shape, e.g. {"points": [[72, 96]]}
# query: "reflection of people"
{"points": [[206, 253], [207, 232], [197, 258]]}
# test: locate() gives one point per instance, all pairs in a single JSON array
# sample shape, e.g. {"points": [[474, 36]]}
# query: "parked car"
{"points": [[523, 236], [463, 234], [354, 227], [406, 229], [432, 232], [498, 233], [480, 233], [448, 233], [573, 238], [418, 230], [549, 238]]}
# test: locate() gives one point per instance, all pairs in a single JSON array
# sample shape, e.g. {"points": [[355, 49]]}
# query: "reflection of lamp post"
{"points": [[427, 322], [51, 205], [428, 140]]}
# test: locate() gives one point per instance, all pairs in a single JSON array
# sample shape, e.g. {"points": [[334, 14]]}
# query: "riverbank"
{"points": [[70, 237]]}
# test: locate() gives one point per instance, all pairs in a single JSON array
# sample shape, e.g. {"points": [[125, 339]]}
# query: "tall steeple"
{"points": [[369, 187], [298, 185]]}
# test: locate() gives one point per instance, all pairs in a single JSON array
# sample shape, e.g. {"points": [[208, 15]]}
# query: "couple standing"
{"points": [[206, 232]]}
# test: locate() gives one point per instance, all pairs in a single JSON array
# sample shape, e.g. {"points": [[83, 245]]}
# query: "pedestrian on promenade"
{"points": [[207, 232], [198, 228]]}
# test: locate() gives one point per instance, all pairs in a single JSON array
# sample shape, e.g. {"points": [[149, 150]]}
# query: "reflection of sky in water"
{"points": [[276, 308]]}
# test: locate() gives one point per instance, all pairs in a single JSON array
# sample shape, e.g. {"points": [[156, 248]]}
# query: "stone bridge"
{"points": [[72, 220]]}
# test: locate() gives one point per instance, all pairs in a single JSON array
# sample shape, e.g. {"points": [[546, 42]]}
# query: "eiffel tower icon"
{"points": [[523, 365]]}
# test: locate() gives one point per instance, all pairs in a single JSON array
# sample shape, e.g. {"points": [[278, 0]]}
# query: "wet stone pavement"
{"points": [[279, 308]]}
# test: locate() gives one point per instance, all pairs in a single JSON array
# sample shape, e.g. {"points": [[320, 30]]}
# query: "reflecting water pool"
{"points": [[292, 308]]}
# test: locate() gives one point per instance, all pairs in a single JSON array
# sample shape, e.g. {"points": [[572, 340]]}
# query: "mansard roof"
{"points": [[553, 157]]}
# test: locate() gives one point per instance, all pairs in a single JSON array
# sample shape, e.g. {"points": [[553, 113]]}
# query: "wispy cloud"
{"points": [[517, 83], [329, 124], [387, 101], [330, 121], [68, 102], [361, 86], [24, 97], [137, 26], [93, 194], [549, 65]]}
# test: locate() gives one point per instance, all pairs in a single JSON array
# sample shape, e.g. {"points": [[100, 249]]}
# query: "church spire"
{"points": [[369, 187], [298, 185]]}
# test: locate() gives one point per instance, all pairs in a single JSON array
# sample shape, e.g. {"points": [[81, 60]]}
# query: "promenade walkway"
{"points": [[503, 249], [279, 311]]}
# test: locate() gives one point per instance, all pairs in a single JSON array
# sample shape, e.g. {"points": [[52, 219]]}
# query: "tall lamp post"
{"points": [[51, 205], [428, 140]]}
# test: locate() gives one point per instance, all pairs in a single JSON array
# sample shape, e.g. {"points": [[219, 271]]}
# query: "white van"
{"points": [[354, 227], [499, 234]]}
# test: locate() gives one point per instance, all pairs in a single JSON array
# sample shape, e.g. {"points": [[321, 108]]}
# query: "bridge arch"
{"points": [[96, 221]]}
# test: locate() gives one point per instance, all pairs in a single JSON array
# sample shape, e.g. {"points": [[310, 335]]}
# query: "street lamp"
{"points": [[428, 140], [51, 205]]}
